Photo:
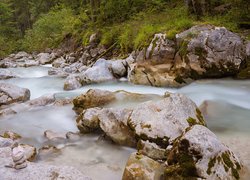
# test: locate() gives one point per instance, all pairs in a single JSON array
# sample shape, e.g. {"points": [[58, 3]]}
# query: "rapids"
{"points": [[227, 113]]}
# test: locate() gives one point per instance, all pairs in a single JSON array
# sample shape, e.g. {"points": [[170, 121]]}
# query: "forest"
{"points": [[35, 25]]}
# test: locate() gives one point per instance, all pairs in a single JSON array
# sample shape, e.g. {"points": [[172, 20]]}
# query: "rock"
{"points": [[44, 58], [42, 101], [119, 68], [10, 94], [63, 102], [57, 72], [59, 62], [88, 120], [100, 98], [151, 150], [199, 154], [29, 63], [211, 51], [72, 82], [6, 74], [35, 171], [72, 136], [203, 51], [45, 151], [94, 38], [92, 98], [18, 157], [11, 135], [114, 124], [141, 167], [245, 72], [21, 54], [29, 152], [163, 121], [7, 111], [54, 136], [5, 142], [98, 73]]}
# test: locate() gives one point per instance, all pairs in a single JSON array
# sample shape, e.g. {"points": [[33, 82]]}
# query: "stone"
{"points": [[113, 122], [10, 94], [141, 167], [57, 72], [5, 142], [92, 98], [44, 58], [98, 73], [58, 62], [47, 150], [11, 135], [119, 68], [21, 54], [42, 101], [71, 136], [50, 135], [29, 152], [163, 121], [151, 150], [199, 154], [6, 74], [88, 120], [72, 82]]}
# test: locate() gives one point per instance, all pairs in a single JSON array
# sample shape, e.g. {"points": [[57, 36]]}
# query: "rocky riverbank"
{"points": [[167, 136]]}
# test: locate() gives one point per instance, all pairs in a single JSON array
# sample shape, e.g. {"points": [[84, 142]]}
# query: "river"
{"points": [[227, 113]]}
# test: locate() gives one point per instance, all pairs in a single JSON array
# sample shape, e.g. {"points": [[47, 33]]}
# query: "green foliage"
{"points": [[49, 30]]}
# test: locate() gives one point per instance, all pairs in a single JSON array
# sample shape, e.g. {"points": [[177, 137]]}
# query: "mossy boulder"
{"points": [[199, 154], [163, 121]]}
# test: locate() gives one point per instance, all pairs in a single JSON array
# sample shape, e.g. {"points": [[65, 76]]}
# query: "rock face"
{"points": [[199, 153], [10, 93], [200, 52]]}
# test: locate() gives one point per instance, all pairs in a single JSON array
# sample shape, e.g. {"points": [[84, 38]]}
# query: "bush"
{"points": [[50, 29]]}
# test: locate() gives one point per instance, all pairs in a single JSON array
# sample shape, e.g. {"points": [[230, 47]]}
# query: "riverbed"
{"points": [[226, 110]]}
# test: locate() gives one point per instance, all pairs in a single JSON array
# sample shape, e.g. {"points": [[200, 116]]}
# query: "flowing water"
{"points": [[226, 108]]}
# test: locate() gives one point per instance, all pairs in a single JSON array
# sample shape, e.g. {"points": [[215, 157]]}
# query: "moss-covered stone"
{"points": [[211, 164], [191, 121]]}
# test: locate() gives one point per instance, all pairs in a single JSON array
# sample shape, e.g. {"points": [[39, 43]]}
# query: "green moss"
{"points": [[191, 121], [200, 117], [211, 164], [228, 164]]}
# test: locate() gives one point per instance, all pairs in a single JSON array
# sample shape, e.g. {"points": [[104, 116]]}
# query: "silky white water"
{"points": [[227, 113]]}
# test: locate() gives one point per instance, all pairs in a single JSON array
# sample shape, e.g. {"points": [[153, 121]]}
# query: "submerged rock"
{"points": [[10, 94], [11, 135], [54, 136]]}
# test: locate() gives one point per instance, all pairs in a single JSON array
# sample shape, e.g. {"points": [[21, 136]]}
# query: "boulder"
{"points": [[57, 72], [21, 54], [88, 120], [163, 121], [6, 74], [203, 51], [10, 94], [72, 82], [113, 122], [59, 62], [141, 167], [92, 98], [98, 73], [210, 51], [199, 154], [119, 68], [44, 58]]}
